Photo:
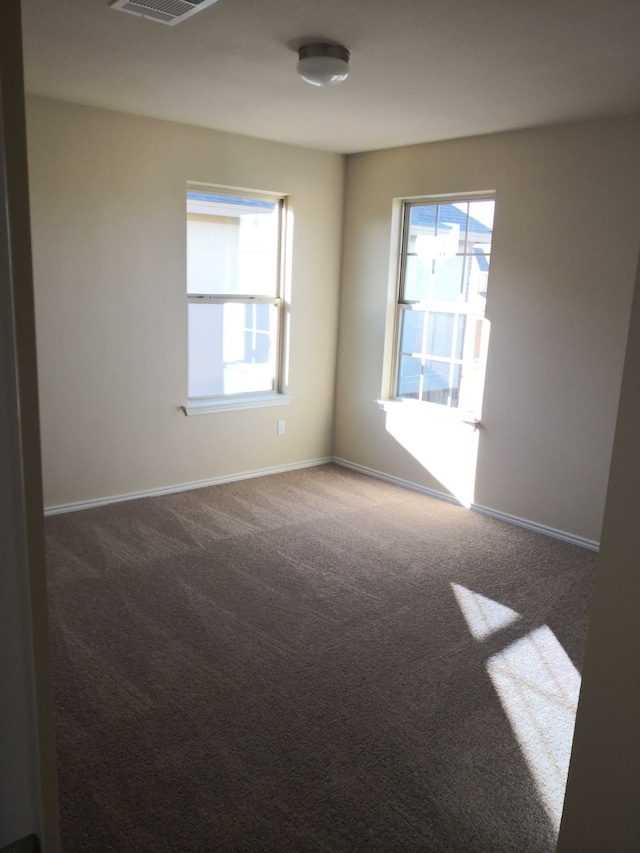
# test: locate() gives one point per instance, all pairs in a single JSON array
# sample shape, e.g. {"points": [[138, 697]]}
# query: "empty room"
{"points": [[335, 340]]}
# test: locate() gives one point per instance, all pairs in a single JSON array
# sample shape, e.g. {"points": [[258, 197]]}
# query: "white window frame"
{"points": [[457, 309], [249, 399]]}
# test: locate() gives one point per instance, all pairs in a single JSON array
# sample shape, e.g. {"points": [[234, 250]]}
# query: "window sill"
{"points": [[209, 405], [429, 410]]}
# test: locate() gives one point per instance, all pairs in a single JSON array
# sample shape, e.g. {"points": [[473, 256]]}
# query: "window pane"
{"points": [[417, 277], [409, 376], [479, 247], [452, 221], [432, 245], [232, 245], [445, 269], [422, 220], [461, 335], [469, 386], [412, 331], [232, 348], [447, 280], [477, 275], [455, 389], [480, 225], [436, 382], [440, 334], [469, 342]]}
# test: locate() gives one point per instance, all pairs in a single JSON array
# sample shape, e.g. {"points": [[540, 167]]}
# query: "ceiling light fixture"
{"points": [[323, 64]]}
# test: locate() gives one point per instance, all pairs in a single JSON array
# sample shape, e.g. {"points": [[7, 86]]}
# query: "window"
{"points": [[441, 328], [234, 251]]}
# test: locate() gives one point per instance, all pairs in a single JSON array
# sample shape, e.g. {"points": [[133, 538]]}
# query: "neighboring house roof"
{"points": [[258, 204], [448, 216], [481, 258]]}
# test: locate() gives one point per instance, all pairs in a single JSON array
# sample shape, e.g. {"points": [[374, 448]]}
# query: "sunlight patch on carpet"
{"points": [[484, 616], [538, 688]]}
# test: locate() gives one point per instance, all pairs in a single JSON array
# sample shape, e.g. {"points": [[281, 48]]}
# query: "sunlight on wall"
{"points": [[538, 687], [447, 449]]}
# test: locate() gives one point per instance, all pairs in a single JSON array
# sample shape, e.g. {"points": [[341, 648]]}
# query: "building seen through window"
{"points": [[233, 293], [442, 331]]}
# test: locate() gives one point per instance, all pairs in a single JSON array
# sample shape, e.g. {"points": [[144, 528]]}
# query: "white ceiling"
{"points": [[422, 70]]}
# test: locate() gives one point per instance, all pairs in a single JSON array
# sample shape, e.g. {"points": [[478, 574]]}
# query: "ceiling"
{"points": [[421, 70]]}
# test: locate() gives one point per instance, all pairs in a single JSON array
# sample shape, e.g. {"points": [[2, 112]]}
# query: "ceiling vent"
{"points": [[164, 11]]}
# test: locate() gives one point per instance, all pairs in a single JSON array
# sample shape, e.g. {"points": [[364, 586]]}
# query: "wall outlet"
{"points": [[281, 427]]}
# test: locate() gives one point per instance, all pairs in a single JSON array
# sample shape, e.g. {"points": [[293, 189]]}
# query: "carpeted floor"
{"points": [[311, 661]]}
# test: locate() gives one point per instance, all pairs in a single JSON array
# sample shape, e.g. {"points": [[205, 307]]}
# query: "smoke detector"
{"points": [[164, 11]]}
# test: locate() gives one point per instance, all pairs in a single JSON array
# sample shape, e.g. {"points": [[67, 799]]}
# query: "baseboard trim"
{"points": [[185, 487], [590, 544], [396, 481], [581, 541], [571, 538]]}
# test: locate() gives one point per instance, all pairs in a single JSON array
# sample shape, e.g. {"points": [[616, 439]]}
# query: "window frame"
{"points": [[206, 404], [402, 304]]}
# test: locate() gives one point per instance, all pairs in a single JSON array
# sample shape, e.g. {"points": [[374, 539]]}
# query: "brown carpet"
{"points": [[285, 664]]}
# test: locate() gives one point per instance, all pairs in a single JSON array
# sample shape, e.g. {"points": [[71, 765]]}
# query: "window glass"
{"points": [[233, 293], [412, 331], [232, 245], [436, 381], [410, 377], [446, 253], [417, 279], [440, 334], [232, 348]]}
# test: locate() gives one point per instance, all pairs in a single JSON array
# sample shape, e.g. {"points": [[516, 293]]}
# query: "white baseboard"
{"points": [[397, 481], [312, 463], [581, 541], [184, 487], [590, 544]]}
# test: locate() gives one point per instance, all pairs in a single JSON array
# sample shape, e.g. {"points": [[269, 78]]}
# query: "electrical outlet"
{"points": [[281, 427]]}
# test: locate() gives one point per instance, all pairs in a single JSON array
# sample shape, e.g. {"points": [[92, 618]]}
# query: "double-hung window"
{"points": [[441, 330], [234, 260]]}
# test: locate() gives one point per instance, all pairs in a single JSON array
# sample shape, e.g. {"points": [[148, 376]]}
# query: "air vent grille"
{"points": [[164, 11]]}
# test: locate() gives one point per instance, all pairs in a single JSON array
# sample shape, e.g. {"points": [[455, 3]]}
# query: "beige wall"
{"points": [[108, 221], [601, 811], [107, 197], [108, 228], [566, 238]]}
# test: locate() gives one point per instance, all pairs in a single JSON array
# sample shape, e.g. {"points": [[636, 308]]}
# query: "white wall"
{"points": [[108, 221], [566, 238]]}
